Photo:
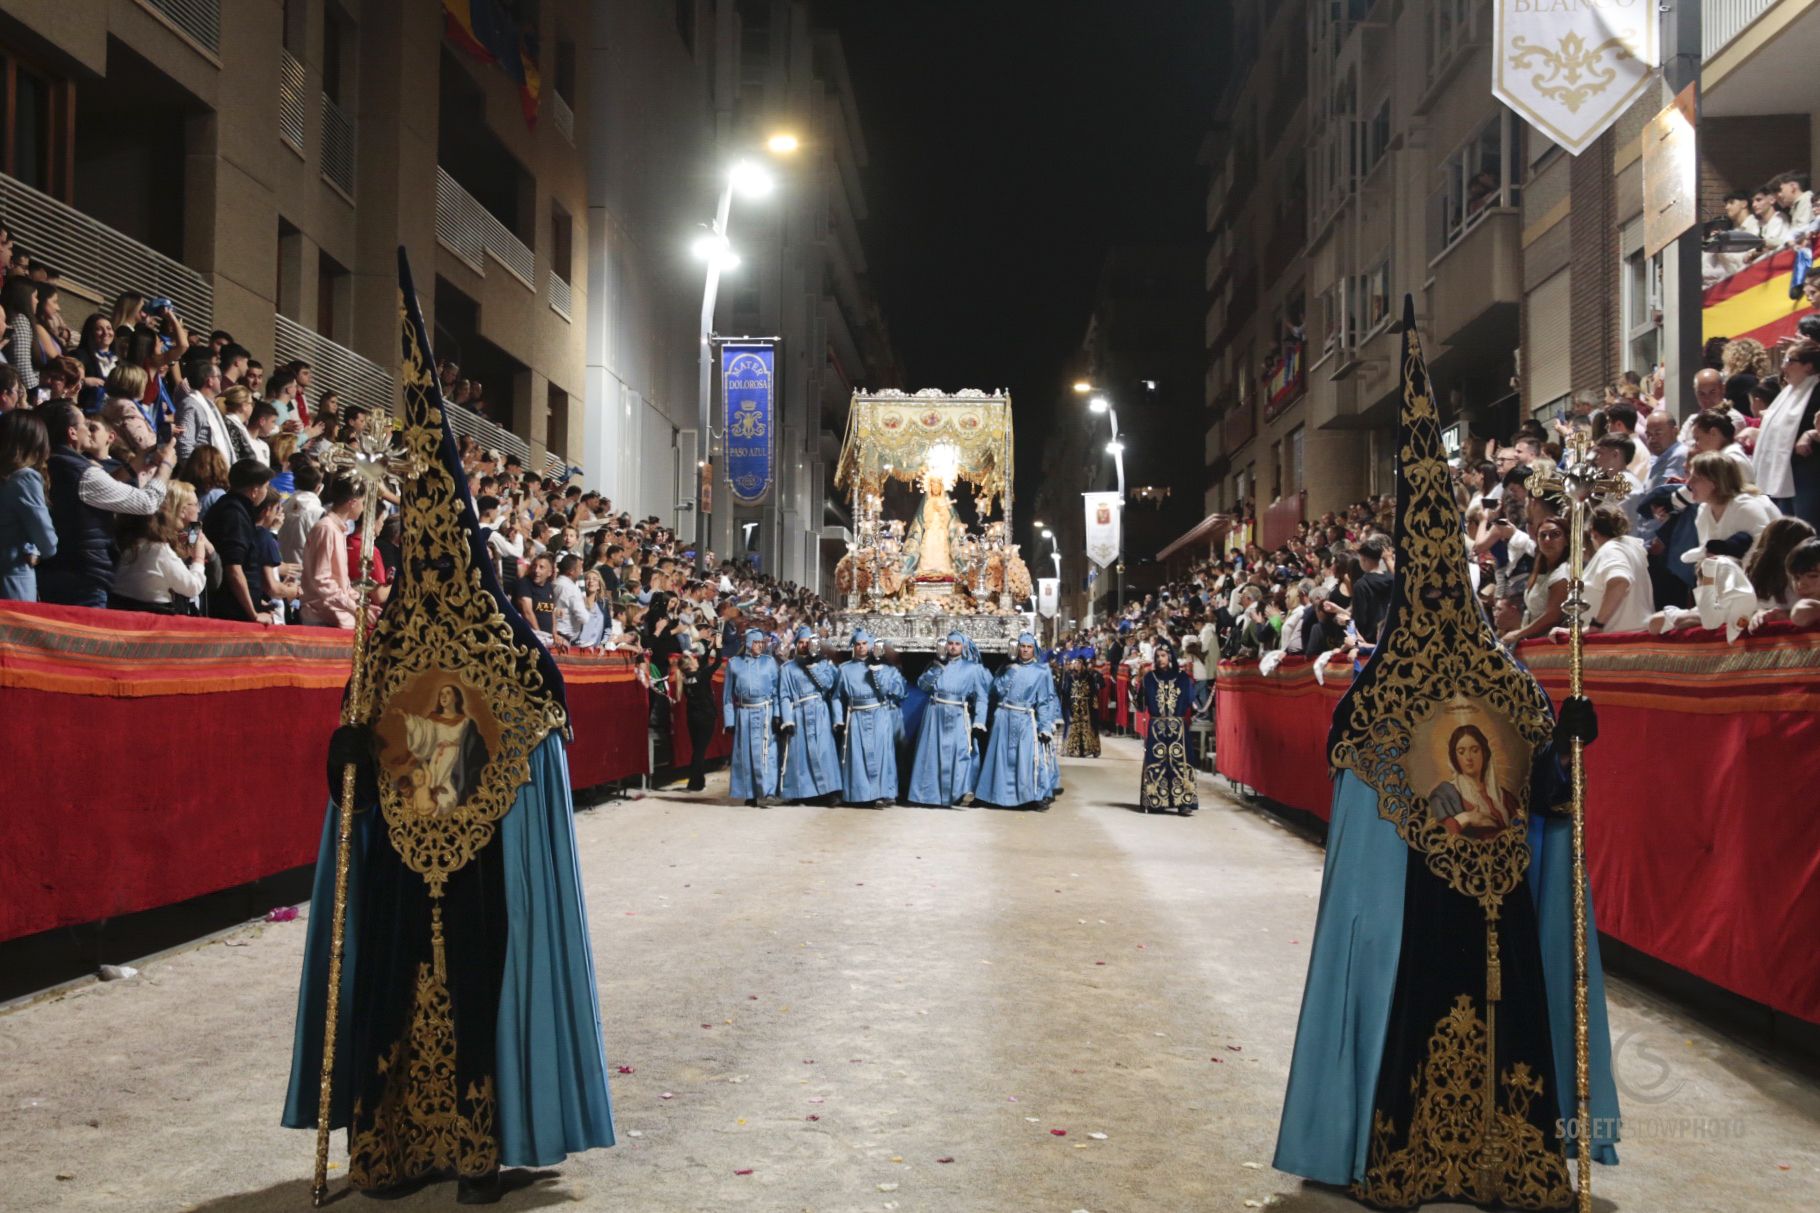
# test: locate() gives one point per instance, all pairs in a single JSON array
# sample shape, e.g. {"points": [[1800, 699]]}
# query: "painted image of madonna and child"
{"points": [[435, 752], [1472, 794]]}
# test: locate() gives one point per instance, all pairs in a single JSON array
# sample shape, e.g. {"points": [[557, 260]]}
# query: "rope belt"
{"points": [[751, 703], [805, 699], [864, 707], [953, 703]]}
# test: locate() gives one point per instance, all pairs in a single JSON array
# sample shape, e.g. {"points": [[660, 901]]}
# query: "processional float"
{"points": [[911, 581]]}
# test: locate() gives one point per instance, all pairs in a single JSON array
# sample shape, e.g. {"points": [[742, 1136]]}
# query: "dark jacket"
{"points": [[85, 535]]}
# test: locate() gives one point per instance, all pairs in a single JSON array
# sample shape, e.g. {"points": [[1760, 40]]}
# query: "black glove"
{"points": [[1577, 722], [1045, 738], [352, 744], [979, 730], [786, 726]]}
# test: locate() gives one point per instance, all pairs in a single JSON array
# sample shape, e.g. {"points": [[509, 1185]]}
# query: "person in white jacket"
{"points": [[162, 569]]}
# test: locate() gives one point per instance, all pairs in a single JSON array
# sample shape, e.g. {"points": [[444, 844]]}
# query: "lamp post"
{"points": [[1055, 554], [1099, 402], [751, 179]]}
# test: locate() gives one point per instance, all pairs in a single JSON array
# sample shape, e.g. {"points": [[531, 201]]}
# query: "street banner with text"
{"points": [[1048, 596], [747, 376], [1568, 67], [1102, 527]]}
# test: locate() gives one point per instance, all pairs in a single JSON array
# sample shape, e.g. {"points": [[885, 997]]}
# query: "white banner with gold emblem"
{"points": [[1570, 67], [1048, 596], [1102, 527]]}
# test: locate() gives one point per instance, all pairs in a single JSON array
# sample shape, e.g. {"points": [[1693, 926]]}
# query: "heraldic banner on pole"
{"points": [[748, 375], [1568, 68], [1103, 522], [1048, 596]]}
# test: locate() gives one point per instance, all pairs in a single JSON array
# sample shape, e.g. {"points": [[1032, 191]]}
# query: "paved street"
{"points": [[832, 1009]]}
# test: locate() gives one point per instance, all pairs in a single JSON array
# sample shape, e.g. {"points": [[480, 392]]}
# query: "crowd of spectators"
{"points": [[147, 467], [1758, 223], [1712, 523]]}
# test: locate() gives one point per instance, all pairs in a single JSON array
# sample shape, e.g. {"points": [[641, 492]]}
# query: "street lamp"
{"points": [[752, 180], [1099, 404]]}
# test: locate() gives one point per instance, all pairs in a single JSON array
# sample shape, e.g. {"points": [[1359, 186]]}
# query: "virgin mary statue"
{"points": [[930, 544]]}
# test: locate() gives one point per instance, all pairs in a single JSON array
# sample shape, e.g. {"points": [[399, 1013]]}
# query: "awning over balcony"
{"points": [[1207, 530]]}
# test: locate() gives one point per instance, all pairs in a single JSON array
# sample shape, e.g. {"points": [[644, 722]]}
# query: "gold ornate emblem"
{"points": [[1467, 1141], [747, 421], [420, 1125], [1572, 72], [443, 620], [1442, 649]]}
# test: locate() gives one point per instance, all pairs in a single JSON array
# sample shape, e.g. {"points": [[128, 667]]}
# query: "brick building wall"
{"points": [[1594, 257]]}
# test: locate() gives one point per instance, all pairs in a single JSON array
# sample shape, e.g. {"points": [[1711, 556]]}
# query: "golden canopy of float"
{"points": [[893, 435]]}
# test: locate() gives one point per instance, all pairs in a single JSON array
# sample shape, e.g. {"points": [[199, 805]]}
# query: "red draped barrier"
{"points": [[1703, 839], [153, 759], [1271, 732]]}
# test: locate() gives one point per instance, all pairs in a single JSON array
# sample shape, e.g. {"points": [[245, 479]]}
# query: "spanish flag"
{"points": [[1755, 301], [487, 31]]}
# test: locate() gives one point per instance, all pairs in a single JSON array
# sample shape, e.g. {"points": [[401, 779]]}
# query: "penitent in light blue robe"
{"points": [[812, 766], [946, 767], [551, 1067], [1017, 768], [749, 707], [869, 746]]}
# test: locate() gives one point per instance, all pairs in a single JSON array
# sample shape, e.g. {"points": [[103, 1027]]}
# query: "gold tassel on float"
{"points": [[1584, 486]]}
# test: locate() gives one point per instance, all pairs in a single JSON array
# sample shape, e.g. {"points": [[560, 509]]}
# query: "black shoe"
{"points": [[883, 803], [483, 1190], [1187, 810], [696, 787], [751, 802]]}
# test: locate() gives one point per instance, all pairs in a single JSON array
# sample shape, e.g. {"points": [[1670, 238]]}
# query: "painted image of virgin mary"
{"points": [[1472, 803], [449, 750]]}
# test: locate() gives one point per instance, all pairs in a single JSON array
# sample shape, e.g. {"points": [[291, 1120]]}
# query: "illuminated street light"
{"points": [[782, 143], [751, 179], [1115, 447], [1099, 404], [1082, 387], [712, 247]]}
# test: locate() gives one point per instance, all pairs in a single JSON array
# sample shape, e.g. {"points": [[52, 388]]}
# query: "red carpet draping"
{"points": [[1703, 836], [153, 759], [1271, 732]]}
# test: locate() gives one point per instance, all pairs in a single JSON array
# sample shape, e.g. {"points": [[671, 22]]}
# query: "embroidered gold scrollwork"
{"points": [[420, 1126], [443, 619], [1466, 1141]]}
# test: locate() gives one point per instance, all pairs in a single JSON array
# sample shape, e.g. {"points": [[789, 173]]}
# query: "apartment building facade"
{"points": [[1360, 158], [259, 162], [687, 89]]}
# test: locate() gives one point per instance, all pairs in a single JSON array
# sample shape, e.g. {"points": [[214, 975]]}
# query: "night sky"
{"points": [[1011, 142]]}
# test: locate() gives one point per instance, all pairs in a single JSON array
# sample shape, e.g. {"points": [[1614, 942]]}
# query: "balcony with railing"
{"points": [[291, 105], [1722, 21], [97, 261], [562, 117], [359, 380], [474, 235], [337, 147], [200, 20], [562, 298]]}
